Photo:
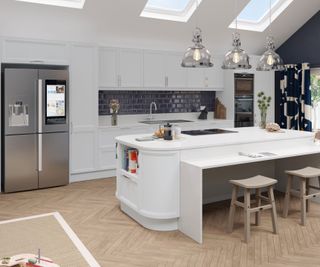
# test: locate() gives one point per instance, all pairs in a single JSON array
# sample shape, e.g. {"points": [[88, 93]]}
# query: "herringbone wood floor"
{"points": [[114, 239]]}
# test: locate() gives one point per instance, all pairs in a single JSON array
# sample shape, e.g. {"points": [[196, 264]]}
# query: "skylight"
{"points": [[178, 10], [63, 3], [255, 15]]}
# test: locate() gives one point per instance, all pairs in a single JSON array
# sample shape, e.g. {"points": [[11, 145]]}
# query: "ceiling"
{"points": [[117, 23]]}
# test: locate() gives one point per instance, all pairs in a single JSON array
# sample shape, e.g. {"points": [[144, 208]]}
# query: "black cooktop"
{"points": [[207, 131]]}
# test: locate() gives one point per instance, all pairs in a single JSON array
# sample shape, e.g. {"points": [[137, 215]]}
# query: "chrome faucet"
{"points": [[152, 104]]}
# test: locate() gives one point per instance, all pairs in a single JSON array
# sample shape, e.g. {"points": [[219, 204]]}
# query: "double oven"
{"points": [[244, 100]]}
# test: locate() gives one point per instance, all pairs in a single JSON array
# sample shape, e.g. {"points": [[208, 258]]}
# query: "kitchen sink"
{"points": [[163, 121]]}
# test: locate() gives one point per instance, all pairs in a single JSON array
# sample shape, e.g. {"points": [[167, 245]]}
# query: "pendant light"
{"points": [[236, 58], [270, 60], [197, 56]]}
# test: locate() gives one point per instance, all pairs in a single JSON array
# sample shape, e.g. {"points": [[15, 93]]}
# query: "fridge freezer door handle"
{"points": [[39, 152], [40, 106], [40, 115]]}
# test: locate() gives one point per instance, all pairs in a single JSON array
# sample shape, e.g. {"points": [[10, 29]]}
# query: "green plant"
{"points": [[263, 101]]}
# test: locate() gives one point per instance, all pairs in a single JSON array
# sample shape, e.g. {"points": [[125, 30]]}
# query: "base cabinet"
{"points": [[158, 174], [149, 196]]}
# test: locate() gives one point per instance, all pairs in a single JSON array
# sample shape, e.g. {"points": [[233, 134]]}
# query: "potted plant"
{"points": [[114, 108], [263, 104]]}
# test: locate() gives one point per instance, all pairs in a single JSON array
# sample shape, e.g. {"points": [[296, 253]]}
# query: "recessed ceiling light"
{"points": [[254, 17], [63, 3], [177, 10]]}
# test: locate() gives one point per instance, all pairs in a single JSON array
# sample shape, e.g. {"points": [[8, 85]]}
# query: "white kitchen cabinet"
{"points": [[214, 77], [126, 69], [107, 143], [163, 70], [195, 78], [83, 108], [34, 52], [206, 78], [176, 75], [130, 68], [108, 73], [154, 72]]}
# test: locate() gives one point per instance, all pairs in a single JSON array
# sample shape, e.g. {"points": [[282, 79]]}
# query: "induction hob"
{"points": [[207, 132]]}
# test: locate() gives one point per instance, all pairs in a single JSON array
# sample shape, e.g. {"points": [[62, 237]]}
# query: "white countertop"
{"points": [[131, 121], [243, 136]]}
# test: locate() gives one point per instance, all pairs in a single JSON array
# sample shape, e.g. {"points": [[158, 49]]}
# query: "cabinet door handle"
{"points": [[40, 152], [116, 150], [40, 106]]}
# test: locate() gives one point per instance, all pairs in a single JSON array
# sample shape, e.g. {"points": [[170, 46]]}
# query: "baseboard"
{"points": [[79, 177]]}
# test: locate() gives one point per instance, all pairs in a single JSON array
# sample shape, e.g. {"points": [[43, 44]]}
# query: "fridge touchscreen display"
{"points": [[56, 100]]}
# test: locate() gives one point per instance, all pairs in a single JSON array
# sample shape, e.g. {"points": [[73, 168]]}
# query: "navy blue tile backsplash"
{"points": [[138, 102]]}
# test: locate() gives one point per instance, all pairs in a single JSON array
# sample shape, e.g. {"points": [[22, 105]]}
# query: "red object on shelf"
{"points": [[133, 161]]}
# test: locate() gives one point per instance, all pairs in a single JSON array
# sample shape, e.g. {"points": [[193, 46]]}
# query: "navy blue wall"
{"points": [[304, 44]]}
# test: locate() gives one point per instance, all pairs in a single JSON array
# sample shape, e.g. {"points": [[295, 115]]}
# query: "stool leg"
{"points": [[232, 208], [273, 210], [246, 215], [307, 193], [287, 197], [303, 200], [258, 213]]}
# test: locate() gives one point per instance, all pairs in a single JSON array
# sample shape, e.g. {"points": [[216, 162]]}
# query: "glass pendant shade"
{"points": [[236, 58], [270, 60], [197, 56]]}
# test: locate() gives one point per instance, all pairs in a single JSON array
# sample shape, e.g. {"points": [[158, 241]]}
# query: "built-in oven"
{"points": [[244, 100]]}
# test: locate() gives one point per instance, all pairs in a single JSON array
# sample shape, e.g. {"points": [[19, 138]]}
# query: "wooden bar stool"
{"points": [[257, 182], [304, 175]]}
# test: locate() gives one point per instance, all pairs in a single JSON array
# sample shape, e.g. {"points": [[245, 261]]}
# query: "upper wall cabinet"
{"points": [[154, 70], [37, 52], [207, 78], [120, 68], [130, 68], [176, 75], [214, 76], [163, 70]]}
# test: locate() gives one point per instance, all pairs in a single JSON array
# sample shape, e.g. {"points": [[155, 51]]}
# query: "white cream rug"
{"points": [[48, 232]]}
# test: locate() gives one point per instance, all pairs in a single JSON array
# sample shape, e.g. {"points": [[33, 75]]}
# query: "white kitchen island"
{"points": [[175, 178]]}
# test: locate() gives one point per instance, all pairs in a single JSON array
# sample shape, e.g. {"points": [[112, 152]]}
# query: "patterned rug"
{"points": [[48, 232]]}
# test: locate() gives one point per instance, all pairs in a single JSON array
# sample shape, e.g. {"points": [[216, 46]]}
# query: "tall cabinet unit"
{"points": [[84, 108], [108, 74]]}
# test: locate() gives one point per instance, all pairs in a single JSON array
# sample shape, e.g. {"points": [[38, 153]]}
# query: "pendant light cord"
{"points": [[236, 13], [197, 17], [270, 17]]}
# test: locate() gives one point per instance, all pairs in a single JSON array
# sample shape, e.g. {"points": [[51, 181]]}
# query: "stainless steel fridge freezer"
{"points": [[35, 128]]}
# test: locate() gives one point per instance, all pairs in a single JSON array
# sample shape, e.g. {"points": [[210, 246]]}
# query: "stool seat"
{"points": [[258, 181], [308, 172]]}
